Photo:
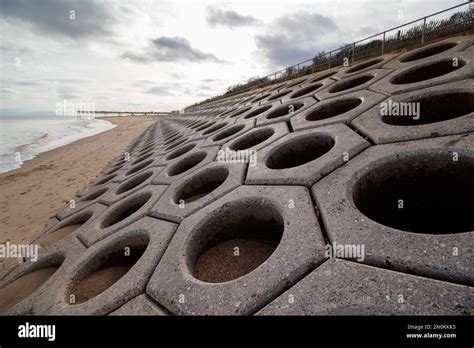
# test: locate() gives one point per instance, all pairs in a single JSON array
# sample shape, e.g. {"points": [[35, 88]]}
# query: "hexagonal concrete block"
{"points": [[296, 82], [132, 184], [130, 255], [27, 289], [140, 305], [180, 151], [121, 214], [302, 158], [130, 170], [79, 203], [339, 287], [431, 51], [342, 109], [170, 146], [441, 110], [193, 160], [364, 66], [285, 111], [198, 189], [60, 234], [277, 95], [309, 90], [258, 111], [351, 84], [279, 220], [409, 205], [319, 76], [444, 68], [229, 133], [217, 127], [257, 139]]}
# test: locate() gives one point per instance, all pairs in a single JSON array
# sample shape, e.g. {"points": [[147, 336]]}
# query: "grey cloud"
{"points": [[228, 18], [300, 36], [53, 16], [171, 49], [158, 90]]}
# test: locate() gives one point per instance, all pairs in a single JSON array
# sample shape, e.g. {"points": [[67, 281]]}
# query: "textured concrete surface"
{"points": [[381, 200], [340, 287], [298, 198], [300, 249], [140, 305], [443, 110], [337, 110], [302, 158]]}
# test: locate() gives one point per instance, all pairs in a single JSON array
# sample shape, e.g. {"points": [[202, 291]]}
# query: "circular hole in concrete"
{"points": [[258, 111], [421, 193], [227, 112], [142, 157], [180, 142], [172, 140], [428, 52], [228, 132], [201, 185], [181, 151], [125, 208], [133, 182], [322, 77], [206, 125], [435, 108], [427, 72], [280, 94], [106, 179], [93, 195], [187, 163], [284, 110], [299, 150], [293, 84], [146, 148], [19, 289], [113, 170], [72, 225], [334, 108], [104, 271], [263, 96], [57, 235], [306, 90], [350, 83], [214, 128], [139, 166], [236, 240], [240, 111], [364, 65], [251, 139]]}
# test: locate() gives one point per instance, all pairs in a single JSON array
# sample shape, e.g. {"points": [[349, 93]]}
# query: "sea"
{"points": [[23, 138]]}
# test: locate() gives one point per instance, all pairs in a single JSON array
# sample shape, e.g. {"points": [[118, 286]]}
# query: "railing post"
{"points": [[329, 60], [423, 32], [383, 43], [353, 52]]}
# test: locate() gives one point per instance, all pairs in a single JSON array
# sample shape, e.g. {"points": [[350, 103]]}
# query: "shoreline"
{"points": [[31, 194], [53, 144]]}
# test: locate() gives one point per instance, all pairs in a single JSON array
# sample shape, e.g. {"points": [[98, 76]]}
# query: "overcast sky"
{"points": [[163, 55]]}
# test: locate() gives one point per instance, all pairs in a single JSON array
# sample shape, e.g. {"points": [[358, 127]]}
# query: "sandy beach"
{"points": [[33, 193]]}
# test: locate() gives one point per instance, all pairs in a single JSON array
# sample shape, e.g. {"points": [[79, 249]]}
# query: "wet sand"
{"points": [[33, 193]]}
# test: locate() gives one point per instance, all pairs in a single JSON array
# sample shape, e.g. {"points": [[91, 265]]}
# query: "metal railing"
{"points": [[413, 33]]}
